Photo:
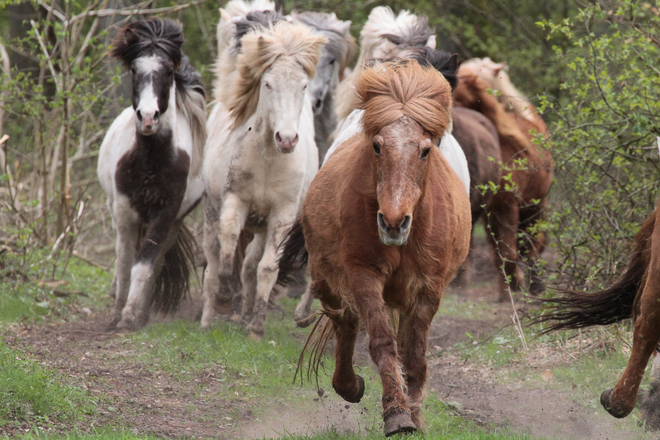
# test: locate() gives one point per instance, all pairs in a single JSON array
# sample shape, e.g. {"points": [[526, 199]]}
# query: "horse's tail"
{"points": [[315, 345], [614, 304], [294, 254], [172, 285]]}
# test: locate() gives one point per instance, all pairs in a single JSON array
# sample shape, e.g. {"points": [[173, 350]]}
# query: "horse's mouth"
{"points": [[393, 239]]}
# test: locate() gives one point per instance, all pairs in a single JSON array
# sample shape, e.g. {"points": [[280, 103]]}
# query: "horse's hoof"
{"points": [[399, 423], [235, 317], [357, 395], [306, 322], [253, 335], [126, 324], [112, 326], [618, 410]]}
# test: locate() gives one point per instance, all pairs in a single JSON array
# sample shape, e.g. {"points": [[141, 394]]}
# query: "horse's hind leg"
{"points": [[533, 243], [303, 313], [501, 230], [249, 273], [212, 253], [621, 400]]}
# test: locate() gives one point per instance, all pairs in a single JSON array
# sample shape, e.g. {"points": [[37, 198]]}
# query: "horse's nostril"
{"points": [[295, 140], [156, 114], [406, 223], [139, 115], [319, 103], [278, 138], [381, 221]]}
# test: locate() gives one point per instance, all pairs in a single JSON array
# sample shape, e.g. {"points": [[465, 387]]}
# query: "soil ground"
{"points": [[147, 402]]}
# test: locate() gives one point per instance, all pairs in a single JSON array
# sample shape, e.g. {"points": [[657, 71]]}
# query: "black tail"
{"points": [[172, 285], [294, 254], [614, 304]]}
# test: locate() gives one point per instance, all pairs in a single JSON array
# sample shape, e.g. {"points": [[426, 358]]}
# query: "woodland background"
{"points": [[589, 66]]}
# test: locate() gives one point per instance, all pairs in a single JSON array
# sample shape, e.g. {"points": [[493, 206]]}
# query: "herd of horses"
{"points": [[366, 181]]}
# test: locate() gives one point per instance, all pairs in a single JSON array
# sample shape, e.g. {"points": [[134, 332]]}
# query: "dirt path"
{"points": [[145, 401]]}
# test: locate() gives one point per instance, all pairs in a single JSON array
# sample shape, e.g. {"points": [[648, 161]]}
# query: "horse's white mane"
{"points": [[193, 106], [375, 44], [495, 74], [225, 64]]}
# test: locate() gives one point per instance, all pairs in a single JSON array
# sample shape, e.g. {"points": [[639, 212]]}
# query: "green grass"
{"points": [[29, 292], [30, 393]]}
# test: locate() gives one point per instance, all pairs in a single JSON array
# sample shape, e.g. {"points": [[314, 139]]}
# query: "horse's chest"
{"points": [[152, 182]]}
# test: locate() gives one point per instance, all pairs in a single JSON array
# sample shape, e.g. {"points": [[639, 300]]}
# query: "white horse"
{"points": [[336, 56], [149, 167], [258, 169], [382, 37]]}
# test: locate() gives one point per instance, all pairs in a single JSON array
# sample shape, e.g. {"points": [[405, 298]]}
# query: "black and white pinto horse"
{"points": [[150, 168]]}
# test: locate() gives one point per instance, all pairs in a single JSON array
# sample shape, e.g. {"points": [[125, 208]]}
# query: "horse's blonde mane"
{"points": [[471, 83], [495, 74], [382, 22], [225, 63], [261, 49], [393, 90]]}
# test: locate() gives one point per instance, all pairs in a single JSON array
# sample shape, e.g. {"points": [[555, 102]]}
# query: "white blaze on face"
{"points": [[148, 101]]}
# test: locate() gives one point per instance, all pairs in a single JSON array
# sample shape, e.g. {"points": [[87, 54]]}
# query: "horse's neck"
{"points": [[325, 123], [504, 123]]}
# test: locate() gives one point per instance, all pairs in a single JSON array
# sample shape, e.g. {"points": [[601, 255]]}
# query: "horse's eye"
{"points": [[332, 61], [305, 87], [426, 152], [133, 70], [267, 85], [376, 148]]}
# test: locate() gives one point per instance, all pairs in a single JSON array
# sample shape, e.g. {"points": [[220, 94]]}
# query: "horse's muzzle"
{"points": [[393, 235]]}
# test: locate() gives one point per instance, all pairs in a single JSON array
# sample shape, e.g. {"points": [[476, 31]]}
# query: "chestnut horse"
{"points": [[521, 201], [636, 295], [386, 222]]}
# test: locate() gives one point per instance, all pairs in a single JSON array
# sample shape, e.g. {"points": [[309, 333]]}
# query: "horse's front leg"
{"points": [[233, 215], [621, 400], [147, 262], [127, 226], [414, 330], [367, 290], [278, 224]]}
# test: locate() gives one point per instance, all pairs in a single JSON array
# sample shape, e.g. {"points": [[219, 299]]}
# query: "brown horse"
{"points": [[636, 295], [521, 200], [386, 223], [478, 138]]}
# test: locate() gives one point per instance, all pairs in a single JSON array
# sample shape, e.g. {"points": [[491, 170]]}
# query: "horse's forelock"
{"points": [[136, 37], [393, 90], [261, 49]]}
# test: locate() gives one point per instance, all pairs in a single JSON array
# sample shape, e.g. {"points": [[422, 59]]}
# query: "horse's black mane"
{"points": [[256, 20], [442, 61], [165, 35], [416, 36], [186, 77]]}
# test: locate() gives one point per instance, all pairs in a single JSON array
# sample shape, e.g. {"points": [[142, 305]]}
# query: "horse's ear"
{"points": [[431, 42], [453, 63], [498, 67], [130, 37], [343, 27]]}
